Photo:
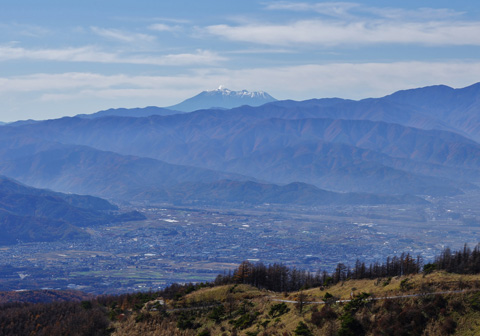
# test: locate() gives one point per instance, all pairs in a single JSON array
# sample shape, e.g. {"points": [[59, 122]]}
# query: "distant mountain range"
{"points": [[131, 112], [252, 193], [220, 98], [416, 142], [85, 170], [28, 214]]}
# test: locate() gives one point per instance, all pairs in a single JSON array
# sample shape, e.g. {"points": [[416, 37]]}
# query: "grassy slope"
{"points": [[456, 307]]}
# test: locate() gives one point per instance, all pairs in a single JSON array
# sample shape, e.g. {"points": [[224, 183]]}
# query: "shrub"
{"points": [[217, 314], [405, 285], [350, 326], [449, 326], [302, 330], [204, 332], [319, 317], [278, 310], [186, 321], [429, 268], [245, 321]]}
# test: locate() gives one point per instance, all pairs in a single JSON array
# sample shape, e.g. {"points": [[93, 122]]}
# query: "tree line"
{"points": [[93, 317], [53, 319], [281, 278], [464, 261]]}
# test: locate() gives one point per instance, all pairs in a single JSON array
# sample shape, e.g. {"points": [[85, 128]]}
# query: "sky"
{"points": [[62, 58]]}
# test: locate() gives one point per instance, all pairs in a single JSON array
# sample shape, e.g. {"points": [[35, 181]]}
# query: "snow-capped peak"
{"points": [[243, 93], [223, 98], [221, 89]]}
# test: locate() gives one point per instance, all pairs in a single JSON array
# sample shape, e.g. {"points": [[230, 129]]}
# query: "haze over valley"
{"points": [[190, 194]]}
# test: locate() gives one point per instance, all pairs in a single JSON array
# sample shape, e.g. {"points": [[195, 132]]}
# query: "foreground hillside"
{"points": [[397, 297], [245, 310], [435, 304]]}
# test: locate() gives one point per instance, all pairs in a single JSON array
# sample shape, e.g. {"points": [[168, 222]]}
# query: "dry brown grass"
{"points": [[220, 293], [467, 324], [434, 282]]}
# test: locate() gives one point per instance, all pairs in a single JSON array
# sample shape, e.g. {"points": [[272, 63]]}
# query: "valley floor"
{"points": [[195, 244]]}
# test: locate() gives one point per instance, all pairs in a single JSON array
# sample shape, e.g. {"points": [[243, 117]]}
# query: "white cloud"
{"points": [[17, 29], [334, 33], [108, 94], [81, 54], [344, 80], [118, 35], [331, 24], [335, 9], [347, 80], [75, 85], [356, 81], [161, 27], [419, 14], [352, 9], [91, 54], [261, 51], [200, 57]]}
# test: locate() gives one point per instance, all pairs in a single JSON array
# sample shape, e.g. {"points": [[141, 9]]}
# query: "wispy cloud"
{"points": [[150, 19], [200, 57], [347, 23], [64, 81], [256, 51], [73, 85], [335, 33], [352, 9], [81, 54], [102, 90], [297, 82], [420, 14], [122, 36], [334, 9], [92, 54], [24, 29], [346, 80], [162, 27]]}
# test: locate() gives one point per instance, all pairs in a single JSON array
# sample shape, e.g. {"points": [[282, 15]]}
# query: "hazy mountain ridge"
{"points": [[12, 189], [341, 167], [367, 109], [251, 193], [130, 112], [336, 144], [172, 139], [156, 137], [28, 214], [22, 228], [456, 107], [433, 107], [82, 169]]}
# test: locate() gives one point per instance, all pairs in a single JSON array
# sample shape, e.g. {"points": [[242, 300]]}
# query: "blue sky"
{"points": [[61, 58]]}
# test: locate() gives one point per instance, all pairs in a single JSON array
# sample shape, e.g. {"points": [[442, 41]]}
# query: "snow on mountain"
{"points": [[244, 93], [223, 98]]}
